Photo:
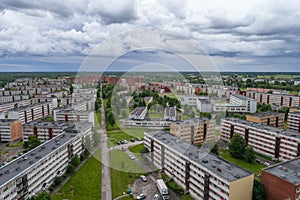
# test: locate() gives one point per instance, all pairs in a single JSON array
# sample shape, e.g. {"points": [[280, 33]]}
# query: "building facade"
{"points": [[74, 116], [238, 103], [202, 174], [268, 118], [293, 121], [10, 130]]}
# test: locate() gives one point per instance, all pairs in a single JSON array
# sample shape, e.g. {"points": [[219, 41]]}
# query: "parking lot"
{"points": [[150, 188]]}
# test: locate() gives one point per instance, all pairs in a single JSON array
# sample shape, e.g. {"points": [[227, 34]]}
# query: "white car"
{"points": [[132, 157], [143, 178], [156, 197], [141, 196]]}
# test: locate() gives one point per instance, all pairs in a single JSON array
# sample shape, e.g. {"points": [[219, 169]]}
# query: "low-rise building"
{"points": [[282, 181], [238, 103], [170, 114], [32, 112], [267, 140], [194, 131], [35, 170], [293, 121], [202, 174], [204, 104], [268, 118], [10, 130], [74, 116], [139, 113]]}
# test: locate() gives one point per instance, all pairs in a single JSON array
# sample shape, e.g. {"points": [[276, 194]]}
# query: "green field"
{"points": [[127, 134], [123, 172], [97, 120], [85, 184], [255, 168]]}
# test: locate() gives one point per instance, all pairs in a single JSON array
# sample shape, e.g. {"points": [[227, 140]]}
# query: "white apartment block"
{"points": [[32, 112], [74, 116], [222, 91], [7, 99], [204, 104], [189, 100], [35, 171], [293, 121], [154, 123], [44, 130], [194, 131], [267, 140], [52, 100], [238, 103], [139, 113], [202, 174], [283, 100], [5, 107], [10, 130]]}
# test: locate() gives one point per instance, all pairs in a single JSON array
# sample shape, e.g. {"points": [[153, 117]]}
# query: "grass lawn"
{"points": [[124, 172], [18, 144], [136, 148], [85, 183], [186, 197], [255, 168], [115, 136], [97, 119], [48, 119]]}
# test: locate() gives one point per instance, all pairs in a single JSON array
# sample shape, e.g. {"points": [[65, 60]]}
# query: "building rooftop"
{"points": [[191, 121], [170, 111], [204, 100], [138, 110], [15, 102], [263, 114], [27, 160], [289, 170], [260, 126], [208, 160], [72, 111], [7, 120], [29, 106], [49, 124], [240, 96]]}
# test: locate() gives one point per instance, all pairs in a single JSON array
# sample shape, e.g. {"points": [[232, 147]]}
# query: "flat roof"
{"points": [[261, 126], [240, 96], [213, 163], [138, 110], [191, 121], [269, 113], [74, 111], [170, 111], [204, 100], [29, 106], [49, 124], [24, 162], [289, 170]]}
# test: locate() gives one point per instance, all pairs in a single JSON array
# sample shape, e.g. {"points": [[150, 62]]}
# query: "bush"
{"points": [[237, 146]]}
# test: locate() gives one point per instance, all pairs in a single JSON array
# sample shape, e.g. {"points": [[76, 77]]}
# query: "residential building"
{"points": [[148, 100], [74, 116], [189, 100], [204, 104], [268, 118], [44, 130], [32, 112], [222, 91], [170, 114], [154, 123], [293, 121], [283, 100], [35, 170], [202, 174], [238, 103], [267, 140], [5, 107], [282, 181], [194, 131], [138, 113], [10, 130]]}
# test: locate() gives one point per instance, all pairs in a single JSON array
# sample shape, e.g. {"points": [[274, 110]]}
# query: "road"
{"points": [[106, 181]]}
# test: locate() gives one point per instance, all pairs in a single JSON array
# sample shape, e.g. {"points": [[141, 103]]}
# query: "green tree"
{"points": [[237, 146], [32, 142], [71, 89], [215, 149], [258, 190], [249, 155], [41, 196]]}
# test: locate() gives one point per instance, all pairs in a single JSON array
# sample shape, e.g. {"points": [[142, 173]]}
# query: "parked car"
{"points": [[141, 196], [258, 161], [132, 140], [143, 178], [267, 164], [123, 148], [139, 139], [125, 141], [131, 157], [119, 142], [156, 197]]}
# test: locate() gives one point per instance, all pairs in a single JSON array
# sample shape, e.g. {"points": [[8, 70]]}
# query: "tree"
{"points": [[258, 190], [237, 146], [215, 149], [71, 89], [32, 142], [41, 196], [249, 155]]}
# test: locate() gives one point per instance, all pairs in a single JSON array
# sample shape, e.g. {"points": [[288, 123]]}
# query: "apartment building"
{"points": [[194, 131], [268, 118], [35, 170], [282, 181], [267, 140], [189, 100], [5, 107], [139, 113], [46, 99], [10, 130], [202, 174], [2, 115], [7, 99], [222, 91], [293, 121], [284, 100], [44, 130], [74, 116], [204, 104], [238, 103], [32, 112], [170, 113]]}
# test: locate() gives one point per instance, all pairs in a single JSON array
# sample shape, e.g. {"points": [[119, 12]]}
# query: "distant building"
{"points": [[282, 181], [74, 116], [5, 107], [293, 121], [148, 100], [189, 100], [10, 130], [268, 118], [194, 131], [170, 113], [204, 104], [296, 82], [238, 103], [200, 173], [139, 113]]}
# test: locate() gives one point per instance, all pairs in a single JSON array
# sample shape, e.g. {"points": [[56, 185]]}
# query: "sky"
{"points": [[237, 35]]}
